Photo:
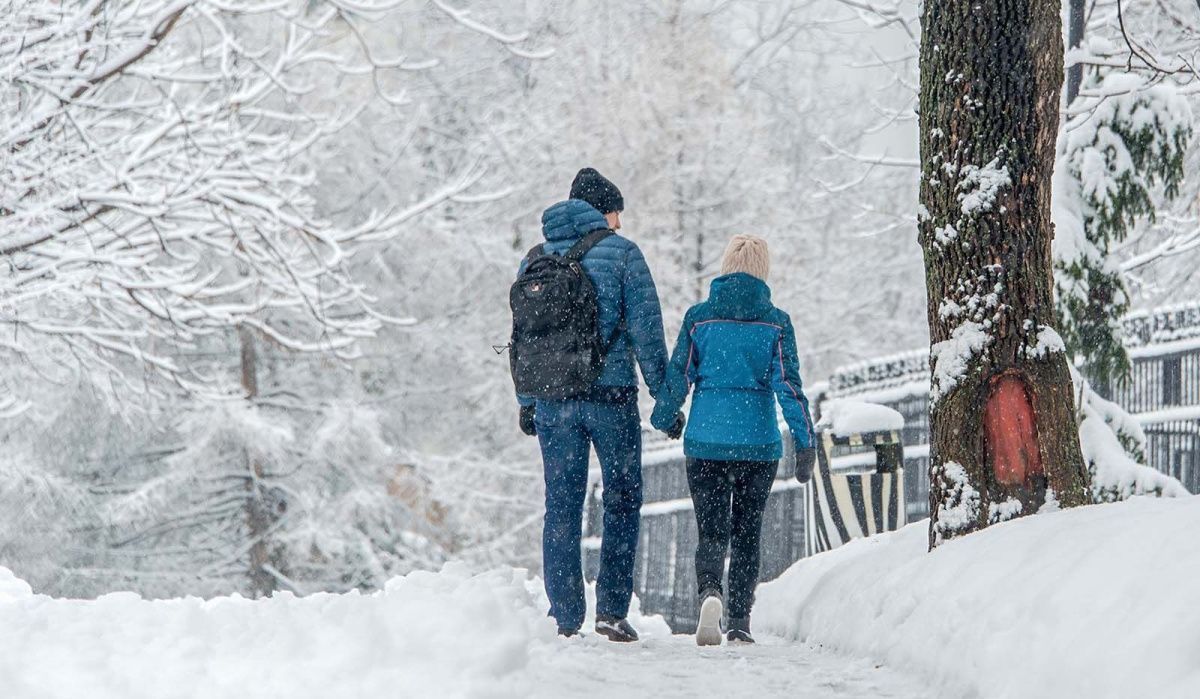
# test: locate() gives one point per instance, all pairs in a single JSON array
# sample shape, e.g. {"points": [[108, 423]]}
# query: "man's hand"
{"points": [[675, 431], [527, 425], [805, 460]]}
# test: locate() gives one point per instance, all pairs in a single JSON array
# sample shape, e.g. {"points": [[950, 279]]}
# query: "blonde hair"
{"points": [[748, 254]]}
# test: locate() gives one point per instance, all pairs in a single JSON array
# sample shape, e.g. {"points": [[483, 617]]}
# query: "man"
{"points": [[604, 416]]}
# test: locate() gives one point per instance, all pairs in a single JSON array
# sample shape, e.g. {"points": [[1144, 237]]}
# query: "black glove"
{"points": [[675, 431], [527, 425], [805, 460]]}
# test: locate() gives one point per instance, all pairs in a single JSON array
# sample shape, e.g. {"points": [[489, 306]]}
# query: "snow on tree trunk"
{"points": [[1003, 433]]}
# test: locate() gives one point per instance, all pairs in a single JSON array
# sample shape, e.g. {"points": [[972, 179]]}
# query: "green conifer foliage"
{"points": [[1120, 157]]}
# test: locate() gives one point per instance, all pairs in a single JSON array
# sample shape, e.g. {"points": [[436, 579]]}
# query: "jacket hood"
{"points": [[739, 296], [571, 219]]}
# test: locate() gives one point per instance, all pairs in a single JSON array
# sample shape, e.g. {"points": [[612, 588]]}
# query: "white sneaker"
{"points": [[708, 630]]}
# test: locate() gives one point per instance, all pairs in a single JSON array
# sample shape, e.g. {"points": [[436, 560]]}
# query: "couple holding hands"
{"points": [[585, 312]]}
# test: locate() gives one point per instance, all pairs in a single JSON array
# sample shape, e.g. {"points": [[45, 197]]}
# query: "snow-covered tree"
{"points": [[1121, 157], [1145, 51], [1120, 169], [158, 220], [1131, 78], [154, 194], [1003, 437]]}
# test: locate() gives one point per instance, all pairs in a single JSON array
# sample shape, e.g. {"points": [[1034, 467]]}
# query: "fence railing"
{"points": [[1172, 429], [1162, 392]]}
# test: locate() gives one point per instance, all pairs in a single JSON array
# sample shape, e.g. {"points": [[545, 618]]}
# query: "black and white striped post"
{"points": [[851, 503]]}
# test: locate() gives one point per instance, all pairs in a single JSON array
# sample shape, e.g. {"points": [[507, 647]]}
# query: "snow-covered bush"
{"points": [[1113, 445], [231, 497], [309, 500]]}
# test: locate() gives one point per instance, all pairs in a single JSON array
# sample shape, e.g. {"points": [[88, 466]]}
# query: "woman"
{"points": [[739, 351]]}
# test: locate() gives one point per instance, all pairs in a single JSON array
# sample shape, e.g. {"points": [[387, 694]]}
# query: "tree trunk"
{"points": [[1003, 436], [1074, 39], [258, 515]]}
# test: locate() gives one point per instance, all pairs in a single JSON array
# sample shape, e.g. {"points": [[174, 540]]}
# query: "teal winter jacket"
{"points": [[739, 352]]}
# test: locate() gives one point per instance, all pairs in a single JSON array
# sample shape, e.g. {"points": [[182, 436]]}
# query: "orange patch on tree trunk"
{"points": [[1012, 440]]}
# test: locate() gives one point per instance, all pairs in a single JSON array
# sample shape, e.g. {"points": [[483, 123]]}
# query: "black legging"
{"points": [[729, 498]]}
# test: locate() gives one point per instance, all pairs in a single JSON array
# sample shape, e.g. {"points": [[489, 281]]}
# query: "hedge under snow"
{"points": [[1097, 601]]}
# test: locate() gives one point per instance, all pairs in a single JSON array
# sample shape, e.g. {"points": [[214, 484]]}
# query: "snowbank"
{"points": [[846, 416], [1097, 601], [429, 634], [452, 633], [12, 587]]}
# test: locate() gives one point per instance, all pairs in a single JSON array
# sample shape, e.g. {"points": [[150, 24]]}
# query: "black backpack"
{"points": [[557, 351]]}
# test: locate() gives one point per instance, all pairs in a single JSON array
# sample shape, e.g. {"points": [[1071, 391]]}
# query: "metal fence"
{"points": [[1162, 392]]}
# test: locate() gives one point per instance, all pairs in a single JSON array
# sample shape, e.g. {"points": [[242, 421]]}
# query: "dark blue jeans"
{"points": [[566, 431], [730, 497]]}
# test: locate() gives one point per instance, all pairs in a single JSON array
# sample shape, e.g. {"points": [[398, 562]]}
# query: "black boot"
{"points": [[615, 629], [739, 631]]}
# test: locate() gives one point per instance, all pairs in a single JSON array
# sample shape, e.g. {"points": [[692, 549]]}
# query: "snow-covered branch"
{"points": [[154, 192], [512, 42]]}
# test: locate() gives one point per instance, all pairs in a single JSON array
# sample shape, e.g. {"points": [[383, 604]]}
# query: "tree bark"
{"points": [[1074, 39], [1003, 436], [258, 516]]}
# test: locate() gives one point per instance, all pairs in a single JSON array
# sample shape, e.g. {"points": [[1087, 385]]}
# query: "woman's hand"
{"points": [[806, 458]]}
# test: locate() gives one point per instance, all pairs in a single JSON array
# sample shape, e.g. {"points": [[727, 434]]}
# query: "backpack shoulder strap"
{"points": [[535, 251], [586, 243]]}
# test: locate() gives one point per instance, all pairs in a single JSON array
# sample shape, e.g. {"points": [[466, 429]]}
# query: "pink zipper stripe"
{"points": [[783, 372], [687, 369], [739, 322]]}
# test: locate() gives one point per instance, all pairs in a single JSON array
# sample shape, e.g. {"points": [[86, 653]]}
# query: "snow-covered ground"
{"points": [[1097, 601], [447, 634]]}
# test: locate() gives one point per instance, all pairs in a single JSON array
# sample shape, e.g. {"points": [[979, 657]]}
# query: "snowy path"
{"points": [[675, 667]]}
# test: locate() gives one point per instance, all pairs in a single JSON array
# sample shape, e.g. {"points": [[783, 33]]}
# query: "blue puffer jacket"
{"points": [[740, 353], [624, 289]]}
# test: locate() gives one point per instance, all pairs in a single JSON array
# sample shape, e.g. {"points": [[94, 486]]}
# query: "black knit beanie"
{"points": [[593, 188]]}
